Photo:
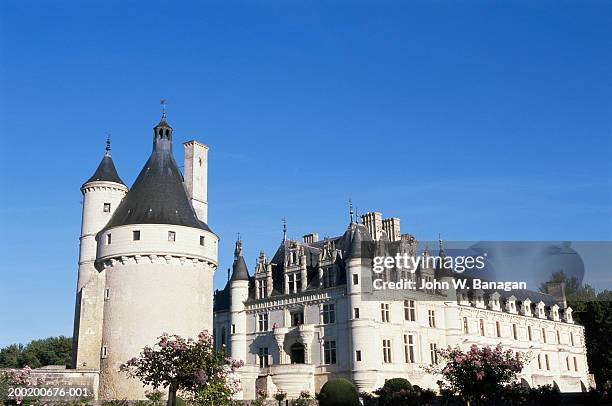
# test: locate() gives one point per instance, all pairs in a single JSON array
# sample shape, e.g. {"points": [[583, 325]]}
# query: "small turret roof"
{"points": [[106, 171], [240, 271]]}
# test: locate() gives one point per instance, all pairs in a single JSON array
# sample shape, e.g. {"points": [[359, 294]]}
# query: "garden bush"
{"points": [[338, 392]]}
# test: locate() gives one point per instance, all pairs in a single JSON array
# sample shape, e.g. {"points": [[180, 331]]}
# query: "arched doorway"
{"points": [[297, 353]]}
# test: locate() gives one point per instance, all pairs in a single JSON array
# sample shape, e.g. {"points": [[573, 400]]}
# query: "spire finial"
{"points": [[163, 103], [284, 229], [108, 145], [441, 253], [351, 210], [356, 215], [238, 249]]}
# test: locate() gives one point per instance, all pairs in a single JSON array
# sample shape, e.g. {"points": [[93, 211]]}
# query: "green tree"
{"points": [[37, 353], [187, 366]]}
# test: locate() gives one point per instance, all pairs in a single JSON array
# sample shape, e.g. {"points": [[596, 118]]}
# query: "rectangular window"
{"points": [[202, 240], [575, 364], [108, 239], [355, 279], [529, 334], [572, 339], [104, 351], [356, 312], [543, 335], [262, 288], [558, 337], [466, 328], [171, 236], [539, 361], [384, 312], [297, 318], [328, 277], [329, 352], [514, 332], [329, 313], [233, 330], [387, 351], [567, 364], [409, 348], [358, 356], [107, 207], [498, 328], [136, 235], [409, 310], [295, 282], [106, 294], [262, 354], [482, 327], [547, 362], [432, 318], [262, 322], [433, 353]]}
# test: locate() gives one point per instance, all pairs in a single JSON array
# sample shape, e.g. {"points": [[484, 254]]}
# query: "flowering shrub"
{"points": [[191, 367], [17, 377], [478, 373]]}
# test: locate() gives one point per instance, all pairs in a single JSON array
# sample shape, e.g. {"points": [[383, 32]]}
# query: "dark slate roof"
{"points": [[240, 271], [106, 172], [158, 196]]}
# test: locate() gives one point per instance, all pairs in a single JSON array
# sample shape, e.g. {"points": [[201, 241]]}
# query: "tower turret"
{"points": [[102, 193], [239, 293], [158, 260]]}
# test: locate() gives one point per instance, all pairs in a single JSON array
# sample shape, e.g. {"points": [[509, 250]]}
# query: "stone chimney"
{"points": [[310, 238], [391, 226], [557, 290], [373, 222]]}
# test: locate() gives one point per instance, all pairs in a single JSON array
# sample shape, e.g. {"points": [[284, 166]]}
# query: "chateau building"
{"points": [[147, 258], [301, 318]]}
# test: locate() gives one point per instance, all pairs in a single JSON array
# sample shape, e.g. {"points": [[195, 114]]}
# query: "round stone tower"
{"points": [[102, 193], [158, 259]]}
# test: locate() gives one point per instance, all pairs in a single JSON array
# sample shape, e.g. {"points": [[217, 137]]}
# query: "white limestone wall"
{"points": [[152, 286], [87, 334]]}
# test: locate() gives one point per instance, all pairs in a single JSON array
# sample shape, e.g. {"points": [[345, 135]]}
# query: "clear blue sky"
{"points": [[477, 119]]}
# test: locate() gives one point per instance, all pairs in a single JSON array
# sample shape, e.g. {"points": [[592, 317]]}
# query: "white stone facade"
{"points": [[298, 338]]}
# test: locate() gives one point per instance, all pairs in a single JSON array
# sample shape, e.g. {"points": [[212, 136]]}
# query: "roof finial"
{"points": [[351, 210], [238, 250], [284, 229], [163, 103], [108, 145], [356, 215]]}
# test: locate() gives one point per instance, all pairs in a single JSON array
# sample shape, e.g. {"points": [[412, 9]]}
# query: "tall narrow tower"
{"points": [[158, 258], [102, 193]]}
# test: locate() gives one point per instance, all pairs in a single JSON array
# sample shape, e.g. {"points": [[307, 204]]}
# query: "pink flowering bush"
{"points": [[479, 373], [187, 366], [17, 377]]}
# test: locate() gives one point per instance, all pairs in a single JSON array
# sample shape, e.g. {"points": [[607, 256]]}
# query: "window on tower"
{"points": [[201, 240], [107, 207], [136, 235], [171, 236], [108, 239]]}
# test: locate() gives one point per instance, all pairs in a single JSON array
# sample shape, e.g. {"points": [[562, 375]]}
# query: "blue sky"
{"points": [[479, 120]]}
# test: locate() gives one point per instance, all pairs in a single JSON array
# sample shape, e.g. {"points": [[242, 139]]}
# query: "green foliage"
{"points": [[397, 384], [338, 392], [37, 353]]}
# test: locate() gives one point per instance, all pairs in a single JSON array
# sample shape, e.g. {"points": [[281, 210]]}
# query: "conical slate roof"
{"points": [[240, 271], [106, 171], [158, 196]]}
